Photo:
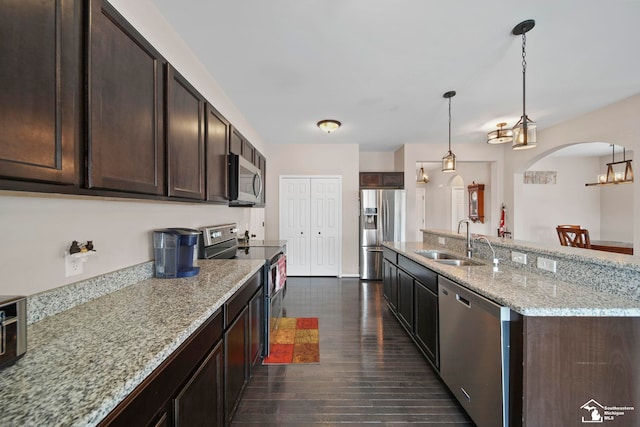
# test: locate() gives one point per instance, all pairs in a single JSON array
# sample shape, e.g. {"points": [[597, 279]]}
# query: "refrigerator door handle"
{"points": [[386, 218]]}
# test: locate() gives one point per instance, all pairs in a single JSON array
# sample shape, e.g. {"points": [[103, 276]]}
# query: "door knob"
{"points": [[318, 232]]}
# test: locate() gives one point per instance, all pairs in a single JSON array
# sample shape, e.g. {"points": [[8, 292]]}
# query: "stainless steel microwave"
{"points": [[245, 182]]}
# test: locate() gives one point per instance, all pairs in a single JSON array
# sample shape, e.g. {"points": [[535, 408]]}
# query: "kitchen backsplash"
{"points": [[48, 303]]}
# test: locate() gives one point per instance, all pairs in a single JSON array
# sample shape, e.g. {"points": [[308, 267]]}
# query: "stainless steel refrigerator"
{"points": [[382, 218]]}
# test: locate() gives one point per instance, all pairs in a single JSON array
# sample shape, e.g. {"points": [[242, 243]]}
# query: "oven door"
{"points": [[273, 302]]}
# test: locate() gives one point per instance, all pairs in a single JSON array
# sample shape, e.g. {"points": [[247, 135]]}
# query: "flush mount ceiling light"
{"points": [[423, 177], [449, 161], [524, 132], [329, 125], [613, 177], [500, 135]]}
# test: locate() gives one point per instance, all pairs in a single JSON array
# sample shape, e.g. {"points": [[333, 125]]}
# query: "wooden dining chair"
{"points": [[573, 235]]}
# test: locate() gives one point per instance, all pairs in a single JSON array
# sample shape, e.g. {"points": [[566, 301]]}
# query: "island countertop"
{"points": [[82, 362], [524, 292]]}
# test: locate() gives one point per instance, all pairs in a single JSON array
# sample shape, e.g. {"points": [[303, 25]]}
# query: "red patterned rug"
{"points": [[295, 341]]}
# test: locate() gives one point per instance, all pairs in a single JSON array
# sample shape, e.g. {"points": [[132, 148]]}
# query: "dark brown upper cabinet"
{"points": [[185, 137], [125, 100], [382, 180], [41, 90], [217, 143], [241, 146]]}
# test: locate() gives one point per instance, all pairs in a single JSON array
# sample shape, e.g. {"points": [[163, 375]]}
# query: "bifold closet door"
{"points": [[310, 222]]}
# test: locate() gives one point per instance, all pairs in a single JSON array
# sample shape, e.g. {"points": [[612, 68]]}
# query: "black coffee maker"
{"points": [[175, 252]]}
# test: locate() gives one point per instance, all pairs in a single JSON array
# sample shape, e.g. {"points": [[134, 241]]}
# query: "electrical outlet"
{"points": [[441, 240], [519, 257], [72, 265], [547, 264]]}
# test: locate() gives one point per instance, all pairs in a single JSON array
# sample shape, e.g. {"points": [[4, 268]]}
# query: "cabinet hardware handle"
{"points": [[463, 300], [466, 394]]}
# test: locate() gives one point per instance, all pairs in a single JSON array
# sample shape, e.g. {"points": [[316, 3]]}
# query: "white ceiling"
{"points": [[381, 66]]}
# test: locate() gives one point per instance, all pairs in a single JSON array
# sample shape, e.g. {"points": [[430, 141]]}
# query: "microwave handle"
{"points": [[258, 178]]}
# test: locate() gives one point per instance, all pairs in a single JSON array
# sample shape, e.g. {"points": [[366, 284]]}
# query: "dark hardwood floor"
{"points": [[370, 371]]}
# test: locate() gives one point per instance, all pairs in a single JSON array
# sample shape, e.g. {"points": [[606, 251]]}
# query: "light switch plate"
{"points": [[519, 257], [547, 264], [441, 240]]}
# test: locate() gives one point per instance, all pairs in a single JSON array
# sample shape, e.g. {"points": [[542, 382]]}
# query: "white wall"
{"points": [[37, 228], [568, 201], [376, 161], [616, 123], [319, 159]]}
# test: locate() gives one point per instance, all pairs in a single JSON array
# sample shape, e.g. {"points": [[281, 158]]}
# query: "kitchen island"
{"points": [[557, 347], [81, 363]]}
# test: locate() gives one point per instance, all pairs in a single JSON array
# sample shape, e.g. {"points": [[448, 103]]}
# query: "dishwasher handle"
{"points": [[462, 300]]}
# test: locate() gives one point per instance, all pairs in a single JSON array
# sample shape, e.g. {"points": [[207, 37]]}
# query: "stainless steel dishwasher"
{"points": [[474, 352]]}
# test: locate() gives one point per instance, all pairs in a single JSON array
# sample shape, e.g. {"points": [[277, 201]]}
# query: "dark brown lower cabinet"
{"points": [[256, 315], [236, 361], [201, 383], [426, 321], [201, 402], [390, 283], [405, 299]]}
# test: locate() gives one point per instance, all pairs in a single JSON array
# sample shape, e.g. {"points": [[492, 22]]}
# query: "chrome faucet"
{"points": [[469, 247], [495, 258]]}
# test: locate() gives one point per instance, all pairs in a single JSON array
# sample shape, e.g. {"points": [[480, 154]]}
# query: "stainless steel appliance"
{"points": [[382, 218], [13, 329], [221, 242], [245, 182], [478, 379], [175, 252]]}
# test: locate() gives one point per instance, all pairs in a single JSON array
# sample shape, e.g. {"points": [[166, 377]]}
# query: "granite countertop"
{"points": [[524, 292], [81, 363]]}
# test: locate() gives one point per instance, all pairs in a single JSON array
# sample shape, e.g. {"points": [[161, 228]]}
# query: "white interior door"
{"points": [[295, 196], [326, 197]]}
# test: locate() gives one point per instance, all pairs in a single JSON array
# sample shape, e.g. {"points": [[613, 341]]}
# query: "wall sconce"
{"points": [[423, 177], [329, 125], [500, 135]]}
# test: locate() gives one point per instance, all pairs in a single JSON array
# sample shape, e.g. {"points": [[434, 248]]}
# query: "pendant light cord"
{"points": [[449, 125], [524, 86]]}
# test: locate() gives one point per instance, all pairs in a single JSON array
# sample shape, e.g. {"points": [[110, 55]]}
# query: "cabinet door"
{"points": [[40, 105], [386, 279], [393, 179], [248, 151], [235, 142], [125, 127], [217, 142], [236, 361], [185, 138], [256, 322], [405, 299], [370, 179], [200, 402], [426, 322]]}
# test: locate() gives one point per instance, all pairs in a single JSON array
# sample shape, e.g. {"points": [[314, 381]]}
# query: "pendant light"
{"points": [[613, 177], [524, 132], [449, 161]]}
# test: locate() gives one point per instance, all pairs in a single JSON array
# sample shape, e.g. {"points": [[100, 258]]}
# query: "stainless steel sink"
{"points": [[459, 262], [437, 255]]}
